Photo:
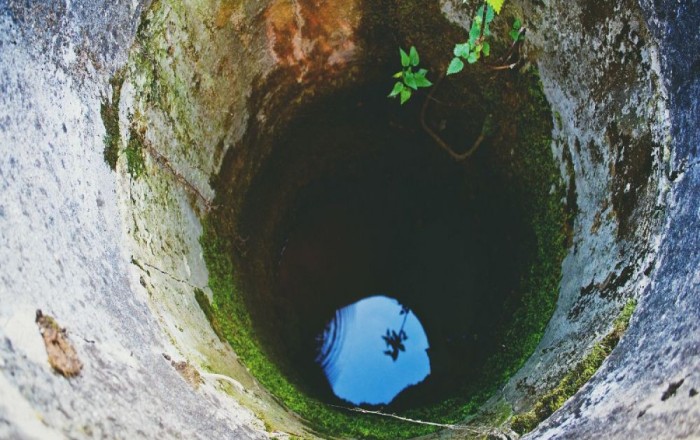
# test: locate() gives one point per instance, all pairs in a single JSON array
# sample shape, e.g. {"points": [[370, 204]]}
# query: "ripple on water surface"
{"points": [[372, 350]]}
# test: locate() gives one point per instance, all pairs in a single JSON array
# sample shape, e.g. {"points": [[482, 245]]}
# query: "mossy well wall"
{"points": [[209, 87]]}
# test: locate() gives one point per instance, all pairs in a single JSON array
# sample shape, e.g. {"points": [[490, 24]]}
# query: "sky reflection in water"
{"points": [[364, 353]]}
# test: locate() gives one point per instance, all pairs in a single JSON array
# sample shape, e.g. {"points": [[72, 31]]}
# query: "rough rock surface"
{"points": [[62, 247], [600, 70], [69, 229], [648, 386]]}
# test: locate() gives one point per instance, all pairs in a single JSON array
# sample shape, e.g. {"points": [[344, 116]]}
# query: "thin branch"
{"points": [[167, 274], [473, 430], [239, 386], [438, 140], [165, 163], [512, 47], [511, 51], [502, 67], [446, 104], [394, 416], [405, 317]]}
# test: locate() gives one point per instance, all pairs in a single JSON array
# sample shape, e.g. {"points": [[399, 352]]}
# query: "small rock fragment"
{"points": [[62, 355], [671, 390], [188, 372]]}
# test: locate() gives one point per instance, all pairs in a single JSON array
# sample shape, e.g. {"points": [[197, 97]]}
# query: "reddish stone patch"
{"points": [[62, 355], [313, 37], [223, 15]]}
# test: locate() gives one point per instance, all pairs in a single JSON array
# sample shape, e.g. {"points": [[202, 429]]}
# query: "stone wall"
{"points": [[116, 259]]}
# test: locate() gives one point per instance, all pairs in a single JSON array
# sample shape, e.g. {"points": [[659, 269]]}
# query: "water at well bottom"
{"points": [[372, 350]]}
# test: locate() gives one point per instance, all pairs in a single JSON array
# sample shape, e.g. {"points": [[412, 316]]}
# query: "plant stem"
{"points": [[438, 140], [483, 21], [512, 47]]}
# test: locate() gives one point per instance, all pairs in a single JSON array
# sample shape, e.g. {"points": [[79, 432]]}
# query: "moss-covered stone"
{"points": [[174, 89], [209, 312], [109, 110], [135, 154], [574, 380], [529, 167]]}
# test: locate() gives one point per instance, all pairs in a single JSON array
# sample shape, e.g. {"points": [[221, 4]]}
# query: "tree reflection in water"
{"points": [[393, 340], [356, 362]]}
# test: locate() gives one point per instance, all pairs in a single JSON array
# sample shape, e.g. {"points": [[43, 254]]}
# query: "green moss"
{"points": [[576, 378], [208, 310], [530, 167], [536, 175], [109, 110], [560, 123], [533, 173], [47, 321], [166, 78], [134, 151], [230, 310]]}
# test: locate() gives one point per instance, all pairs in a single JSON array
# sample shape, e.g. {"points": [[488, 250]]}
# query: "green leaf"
{"points": [[473, 57], [514, 35], [489, 13], [461, 50], [422, 72], [405, 60], [414, 56], [517, 24], [398, 74], [474, 33], [456, 66], [496, 5], [405, 95], [422, 81], [410, 80], [486, 49], [398, 87]]}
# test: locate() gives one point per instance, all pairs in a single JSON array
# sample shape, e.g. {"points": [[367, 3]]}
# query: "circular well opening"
{"points": [[356, 202]]}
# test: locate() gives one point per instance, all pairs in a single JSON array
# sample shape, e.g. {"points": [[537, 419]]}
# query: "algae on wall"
{"points": [[198, 119], [180, 115], [573, 381], [525, 113], [109, 111], [184, 132], [606, 121]]}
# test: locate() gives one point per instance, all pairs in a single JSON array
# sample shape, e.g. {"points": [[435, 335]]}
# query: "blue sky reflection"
{"points": [[353, 351]]}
